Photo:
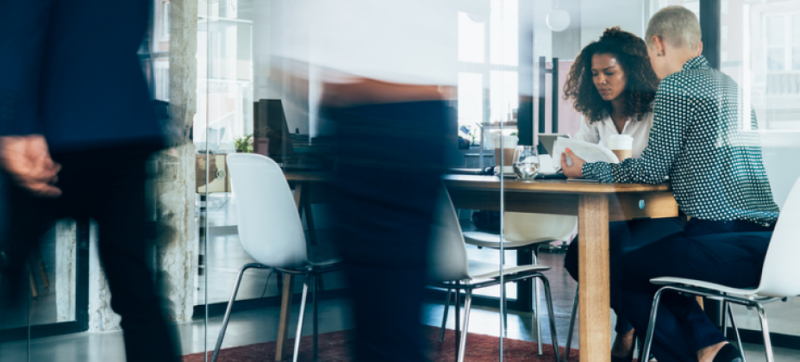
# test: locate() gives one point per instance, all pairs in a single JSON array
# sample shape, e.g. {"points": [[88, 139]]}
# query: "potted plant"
{"points": [[244, 144]]}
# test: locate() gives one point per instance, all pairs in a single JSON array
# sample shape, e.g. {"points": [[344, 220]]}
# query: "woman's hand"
{"points": [[574, 171]]}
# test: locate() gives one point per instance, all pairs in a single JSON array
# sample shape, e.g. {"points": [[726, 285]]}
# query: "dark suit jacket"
{"points": [[69, 70]]}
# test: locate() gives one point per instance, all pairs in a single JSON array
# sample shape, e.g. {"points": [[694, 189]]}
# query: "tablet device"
{"points": [[549, 139]]}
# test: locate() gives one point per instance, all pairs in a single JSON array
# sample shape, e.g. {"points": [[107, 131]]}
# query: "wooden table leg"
{"points": [[286, 312], [595, 318], [298, 193], [286, 293]]}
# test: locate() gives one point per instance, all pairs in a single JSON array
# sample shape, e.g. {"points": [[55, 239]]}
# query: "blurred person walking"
{"points": [[390, 158], [385, 88], [76, 129]]}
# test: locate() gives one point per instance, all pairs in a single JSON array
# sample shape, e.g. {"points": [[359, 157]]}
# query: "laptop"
{"points": [[549, 139]]}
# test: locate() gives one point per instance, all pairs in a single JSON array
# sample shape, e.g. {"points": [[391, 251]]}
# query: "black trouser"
{"points": [[388, 173], [625, 236], [107, 185], [728, 253]]}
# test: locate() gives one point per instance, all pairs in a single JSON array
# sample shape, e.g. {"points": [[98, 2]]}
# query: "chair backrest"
{"points": [[447, 254], [780, 276], [531, 227], [269, 225]]}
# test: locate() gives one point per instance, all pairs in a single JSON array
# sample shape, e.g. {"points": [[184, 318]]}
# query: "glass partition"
{"points": [[759, 50], [233, 78]]}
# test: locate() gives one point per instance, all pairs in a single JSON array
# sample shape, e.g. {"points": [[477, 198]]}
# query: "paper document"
{"points": [[589, 152]]}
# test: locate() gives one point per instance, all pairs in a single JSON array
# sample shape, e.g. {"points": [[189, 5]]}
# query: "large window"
{"points": [[499, 71], [760, 49]]}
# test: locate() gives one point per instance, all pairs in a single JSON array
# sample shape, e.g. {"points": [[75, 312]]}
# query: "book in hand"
{"points": [[589, 152]]}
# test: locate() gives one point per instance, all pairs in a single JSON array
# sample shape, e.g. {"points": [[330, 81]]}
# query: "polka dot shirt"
{"points": [[698, 141]]}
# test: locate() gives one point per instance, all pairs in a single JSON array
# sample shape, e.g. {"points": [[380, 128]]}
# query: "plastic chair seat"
{"points": [[705, 285], [491, 241], [482, 270]]}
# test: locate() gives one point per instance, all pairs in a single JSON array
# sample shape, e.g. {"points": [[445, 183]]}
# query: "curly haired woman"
{"points": [[613, 85]]}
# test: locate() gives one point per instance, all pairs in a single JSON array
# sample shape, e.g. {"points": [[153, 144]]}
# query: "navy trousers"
{"points": [[107, 185], [623, 237], [725, 252], [389, 164]]}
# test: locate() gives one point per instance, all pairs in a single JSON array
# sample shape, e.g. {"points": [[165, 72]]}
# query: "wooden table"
{"points": [[595, 205]]}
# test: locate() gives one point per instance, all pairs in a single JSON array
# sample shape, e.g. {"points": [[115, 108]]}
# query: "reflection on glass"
{"points": [[776, 59], [471, 38], [762, 53]]}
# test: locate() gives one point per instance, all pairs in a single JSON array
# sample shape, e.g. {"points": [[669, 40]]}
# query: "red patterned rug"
{"points": [[336, 346]]}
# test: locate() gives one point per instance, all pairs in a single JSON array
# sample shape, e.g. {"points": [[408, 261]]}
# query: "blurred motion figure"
{"points": [[385, 81], [76, 128]]}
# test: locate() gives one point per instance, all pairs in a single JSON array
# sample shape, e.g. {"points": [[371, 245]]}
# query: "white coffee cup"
{"points": [[621, 145]]}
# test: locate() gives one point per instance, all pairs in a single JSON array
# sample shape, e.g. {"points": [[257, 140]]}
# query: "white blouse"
{"points": [[596, 132]]}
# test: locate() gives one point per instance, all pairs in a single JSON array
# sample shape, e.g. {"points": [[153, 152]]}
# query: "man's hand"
{"points": [[27, 160], [574, 171]]}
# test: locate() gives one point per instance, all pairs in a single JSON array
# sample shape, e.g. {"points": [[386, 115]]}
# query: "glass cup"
{"points": [[526, 162]]}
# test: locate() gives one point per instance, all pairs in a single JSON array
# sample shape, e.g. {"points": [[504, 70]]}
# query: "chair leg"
{"points": [[762, 315], [299, 333], [571, 324], [551, 316], [266, 284], [736, 332], [229, 309], [537, 305], [504, 332], [725, 307], [315, 287], [462, 349], [457, 312], [648, 339], [444, 317]]}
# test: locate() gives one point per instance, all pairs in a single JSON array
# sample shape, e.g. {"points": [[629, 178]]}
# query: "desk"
{"points": [[594, 204]]}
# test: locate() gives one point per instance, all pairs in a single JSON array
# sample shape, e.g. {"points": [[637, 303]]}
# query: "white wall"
{"points": [[599, 15]]}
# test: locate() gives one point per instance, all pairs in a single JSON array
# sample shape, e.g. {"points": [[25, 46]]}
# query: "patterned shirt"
{"points": [[698, 141]]}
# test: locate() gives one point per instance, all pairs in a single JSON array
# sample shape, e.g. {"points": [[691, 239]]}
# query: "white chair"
{"points": [[525, 231], [271, 232], [778, 277], [450, 269]]}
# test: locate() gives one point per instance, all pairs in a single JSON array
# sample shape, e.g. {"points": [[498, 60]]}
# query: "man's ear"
{"points": [[700, 48], [658, 43]]}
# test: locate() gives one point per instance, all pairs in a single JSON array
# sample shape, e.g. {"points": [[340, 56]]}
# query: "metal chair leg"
{"points": [[316, 286], [230, 308], [504, 332], [571, 324], [300, 320], [648, 339], [457, 312], [762, 315], [536, 305], [444, 318], [551, 316], [462, 349], [736, 332], [725, 307], [266, 284]]}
